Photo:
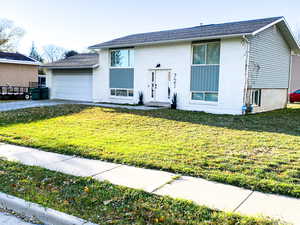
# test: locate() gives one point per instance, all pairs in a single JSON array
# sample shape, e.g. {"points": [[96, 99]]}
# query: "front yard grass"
{"points": [[259, 152], [104, 203]]}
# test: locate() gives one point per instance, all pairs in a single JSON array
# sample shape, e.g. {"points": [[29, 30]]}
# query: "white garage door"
{"points": [[70, 86]]}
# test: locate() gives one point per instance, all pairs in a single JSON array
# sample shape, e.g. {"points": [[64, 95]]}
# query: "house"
{"points": [[17, 70], [224, 68], [295, 78]]}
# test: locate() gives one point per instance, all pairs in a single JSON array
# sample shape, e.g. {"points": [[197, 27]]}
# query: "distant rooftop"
{"points": [[85, 60], [15, 56], [192, 33]]}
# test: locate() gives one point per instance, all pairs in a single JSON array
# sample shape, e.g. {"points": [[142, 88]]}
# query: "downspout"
{"points": [[290, 78], [246, 85]]}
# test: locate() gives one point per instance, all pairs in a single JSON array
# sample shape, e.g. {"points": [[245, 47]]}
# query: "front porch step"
{"points": [[158, 104]]}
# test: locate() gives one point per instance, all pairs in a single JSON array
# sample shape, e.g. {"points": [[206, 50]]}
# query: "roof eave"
{"points": [[22, 62], [173, 41], [71, 67], [295, 47]]}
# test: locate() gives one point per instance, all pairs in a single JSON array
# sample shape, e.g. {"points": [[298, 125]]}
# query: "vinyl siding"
{"points": [[121, 78], [205, 78], [269, 64]]}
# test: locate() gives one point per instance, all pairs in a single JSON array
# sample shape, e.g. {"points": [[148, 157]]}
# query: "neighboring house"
{"points": [[217, 68], [295, 78], [17, 69]]}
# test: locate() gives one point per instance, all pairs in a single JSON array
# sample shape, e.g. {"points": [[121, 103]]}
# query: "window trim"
{"points": [[252, 100], [204, 101], [119, 96], [121, 67], [204, 43]]}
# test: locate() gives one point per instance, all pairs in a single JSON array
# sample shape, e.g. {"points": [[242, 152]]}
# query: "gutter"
{"points": [[70, 67], [22, 62], [171, 41]]}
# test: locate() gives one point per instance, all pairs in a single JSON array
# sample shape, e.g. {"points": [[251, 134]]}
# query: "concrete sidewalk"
{"points": [[203, 192]]}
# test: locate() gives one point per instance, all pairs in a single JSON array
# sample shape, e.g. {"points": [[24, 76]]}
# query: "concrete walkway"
{"points": [[203, 192], [14, 105], [8, 219]]}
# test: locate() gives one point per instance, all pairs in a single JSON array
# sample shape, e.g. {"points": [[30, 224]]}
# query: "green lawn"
{"points": [[104, 203], [261, 151]]}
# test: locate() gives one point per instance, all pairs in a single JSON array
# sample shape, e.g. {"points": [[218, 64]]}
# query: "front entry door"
{"points": [[160, 85]]}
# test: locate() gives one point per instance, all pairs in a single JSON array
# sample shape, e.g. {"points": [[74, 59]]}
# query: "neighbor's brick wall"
{"points": [[17, 75]]}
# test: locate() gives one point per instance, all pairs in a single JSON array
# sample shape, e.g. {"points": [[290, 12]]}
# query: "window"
{"points": [[297, 92], [121, 58], [205, 96], [42, 81], [121, 92], [256, 97], [206, 54]]}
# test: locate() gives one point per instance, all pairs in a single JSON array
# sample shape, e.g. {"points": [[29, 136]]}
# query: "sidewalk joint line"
{"points": [[71, 157], [96, 174], [176, 177], [243, 201]]}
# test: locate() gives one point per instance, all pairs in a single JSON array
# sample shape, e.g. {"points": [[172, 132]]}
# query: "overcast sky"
{"points": [[76, 24]]}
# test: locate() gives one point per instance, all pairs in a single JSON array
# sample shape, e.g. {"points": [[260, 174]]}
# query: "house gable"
{"points": [[269, 60]]}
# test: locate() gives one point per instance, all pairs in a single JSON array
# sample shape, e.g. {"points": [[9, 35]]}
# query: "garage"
{"points": [[73, 84], [72, 78]]}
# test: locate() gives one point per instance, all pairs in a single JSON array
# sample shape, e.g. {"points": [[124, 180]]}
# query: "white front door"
{"points": [[160, 85]]}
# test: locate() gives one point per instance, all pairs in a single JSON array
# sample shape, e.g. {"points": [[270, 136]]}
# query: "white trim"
{"points": [[70, 67], [288, 27], [267, 26], [155, 69], [194, 101], [129, 61], [173, 41], [120, 96], [22, 62], [205, 43]]}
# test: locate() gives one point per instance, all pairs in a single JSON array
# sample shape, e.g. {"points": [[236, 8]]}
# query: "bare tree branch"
{"points": [[9, 35], [53, 53]]}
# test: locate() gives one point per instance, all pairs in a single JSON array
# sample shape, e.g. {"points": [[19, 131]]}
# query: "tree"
{"points": [[70, 53], [34, 54], [9, 36], [53, 53]]}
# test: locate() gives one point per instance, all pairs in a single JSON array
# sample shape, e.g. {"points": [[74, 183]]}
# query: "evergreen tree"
{"points": [[34, 54]]}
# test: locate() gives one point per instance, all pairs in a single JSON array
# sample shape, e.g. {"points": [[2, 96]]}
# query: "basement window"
{"points": [[256, 97], [121, 92]]}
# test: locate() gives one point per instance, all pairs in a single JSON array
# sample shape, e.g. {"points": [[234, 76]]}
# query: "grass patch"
{"points": [[259, 152], [104, 203]]}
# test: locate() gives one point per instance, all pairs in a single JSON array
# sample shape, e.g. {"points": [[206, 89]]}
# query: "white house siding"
{"points": [[271, 99], [295, 79], [178, 58]]}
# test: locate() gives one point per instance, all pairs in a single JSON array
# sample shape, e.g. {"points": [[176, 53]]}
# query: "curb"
{"points": [[46, 215]]}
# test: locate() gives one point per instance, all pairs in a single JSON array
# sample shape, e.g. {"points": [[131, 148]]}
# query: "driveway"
{"points": [[7, 106]]}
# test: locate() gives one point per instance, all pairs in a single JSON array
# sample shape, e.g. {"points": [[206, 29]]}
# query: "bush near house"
{"points": [[259, 152], [104, 203]]}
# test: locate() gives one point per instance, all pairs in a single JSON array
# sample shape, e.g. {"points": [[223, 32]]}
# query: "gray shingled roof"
{"points": [[15, 56], [192, 33], [85, 60]]}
